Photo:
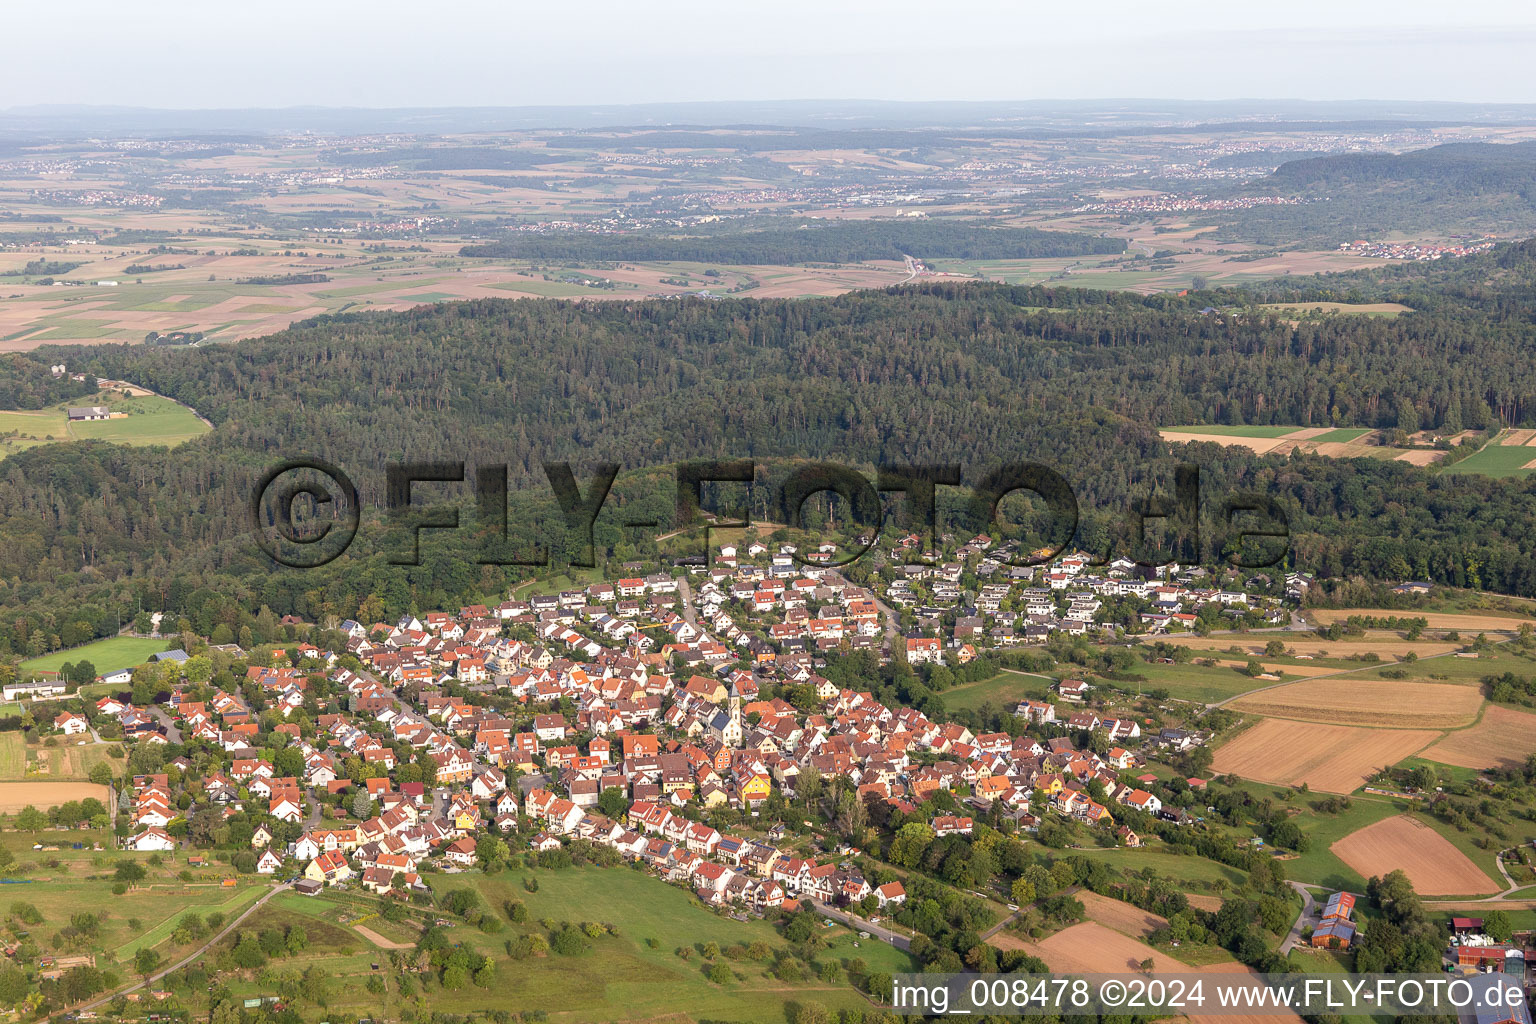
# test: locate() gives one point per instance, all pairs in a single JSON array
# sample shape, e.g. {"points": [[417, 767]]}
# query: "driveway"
{"points": [[1308, 907], [172, 733]]}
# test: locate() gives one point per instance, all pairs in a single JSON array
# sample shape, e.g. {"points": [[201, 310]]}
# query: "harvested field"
{"points": [[1203, 901], [1518, 437], [1390, 646], [1284, 670], [1091, 948], [1239, 1018], [1330, 758], [1432, 864], [1379, 308], [1502, 739], [1119, 915], [1437, 620], [1389, 703], [1259, 445], [1420, 458], [1348, 450], [16, 795]]}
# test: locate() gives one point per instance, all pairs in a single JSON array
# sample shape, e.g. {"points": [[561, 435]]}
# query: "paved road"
{"points": [[859, 924], [690, 614], [1308, 905], [312, 819], [887, 613], [178, 965]]}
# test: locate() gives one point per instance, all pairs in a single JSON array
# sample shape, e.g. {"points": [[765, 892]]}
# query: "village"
{"points": [[690, 720], [602, 732]]}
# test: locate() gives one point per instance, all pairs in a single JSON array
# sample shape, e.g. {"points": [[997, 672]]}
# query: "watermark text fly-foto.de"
{"points": [[306, 512]]}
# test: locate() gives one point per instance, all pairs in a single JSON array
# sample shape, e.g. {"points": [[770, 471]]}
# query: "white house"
{"points": [[70, 724], [151, 839]]}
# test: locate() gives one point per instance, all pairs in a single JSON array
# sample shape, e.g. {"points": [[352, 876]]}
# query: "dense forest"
{"points": [[810, 242], [1457, 187], [971, 374]]}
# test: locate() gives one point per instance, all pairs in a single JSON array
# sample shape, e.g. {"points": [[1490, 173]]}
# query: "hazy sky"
{"points": [[384, 53]]}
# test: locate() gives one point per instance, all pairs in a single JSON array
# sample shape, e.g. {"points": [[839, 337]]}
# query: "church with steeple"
{"points": [[725, 725]]}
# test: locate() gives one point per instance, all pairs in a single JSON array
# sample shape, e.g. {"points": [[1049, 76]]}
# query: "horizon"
{"points": [[490, 55]]}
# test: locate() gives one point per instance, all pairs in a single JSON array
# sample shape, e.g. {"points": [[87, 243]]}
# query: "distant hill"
{"points": [[1460, 166], [1458, 188]]}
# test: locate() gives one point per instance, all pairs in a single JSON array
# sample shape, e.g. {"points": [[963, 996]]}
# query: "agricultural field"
{"points": [[1139, 274], [1330, 758], [1123, 917], [1323, 823], [1343, 308], [1388, 703], [71, 761], [1498, 458], [1093, 948], [1432, 863], [1332, 442], [227, 294], [16, 795], [1385, 645], [1466, 623], [1502, 738], [107, 655]]}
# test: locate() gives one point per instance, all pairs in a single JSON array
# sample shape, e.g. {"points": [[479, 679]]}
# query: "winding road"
{"points": [[1308, 904]]}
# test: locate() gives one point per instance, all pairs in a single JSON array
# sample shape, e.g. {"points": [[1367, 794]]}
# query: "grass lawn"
{"points": [[62, 882], [1323, 961], [1343, 435], [1006, 688], [151, 419], [1195, 874], [13, 755], [1318, 865], [230, 908], [623, 977], [1451, 669], [1206, 684], [107, 655], [20, 430]]}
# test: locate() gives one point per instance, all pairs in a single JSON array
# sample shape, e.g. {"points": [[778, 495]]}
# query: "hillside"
{"points": [[1454, 189]]}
